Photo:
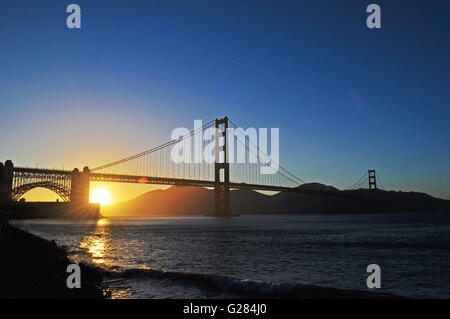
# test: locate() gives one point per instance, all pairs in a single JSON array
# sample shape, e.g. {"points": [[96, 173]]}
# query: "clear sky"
{"points": [[346, 98]]}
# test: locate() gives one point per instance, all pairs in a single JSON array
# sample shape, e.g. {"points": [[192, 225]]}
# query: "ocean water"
{"points": [[204, 257]]}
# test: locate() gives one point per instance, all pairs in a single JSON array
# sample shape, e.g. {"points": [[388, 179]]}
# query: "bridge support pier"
{"points": [[6, 180], [79, 195], [222, 170]]}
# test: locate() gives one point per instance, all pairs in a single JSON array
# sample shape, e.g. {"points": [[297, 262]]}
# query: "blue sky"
{"points": [[346, 98]]}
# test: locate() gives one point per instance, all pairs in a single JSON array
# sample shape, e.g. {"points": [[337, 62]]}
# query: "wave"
{"points": [[245, 288]]}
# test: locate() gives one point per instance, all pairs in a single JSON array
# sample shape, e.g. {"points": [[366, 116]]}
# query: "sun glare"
{"points": [[101, 196]]}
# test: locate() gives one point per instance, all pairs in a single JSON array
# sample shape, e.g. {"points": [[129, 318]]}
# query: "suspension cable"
{"points": [[299, 180], [357, 182], [157, 148], [293, 181]]}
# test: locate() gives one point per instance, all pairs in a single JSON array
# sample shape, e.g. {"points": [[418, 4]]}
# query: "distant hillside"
{"points": [[318, 187], [184, 200], [176, 200]]}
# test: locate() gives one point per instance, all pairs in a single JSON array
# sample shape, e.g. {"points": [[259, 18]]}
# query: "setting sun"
{"points": [[101, 196]]}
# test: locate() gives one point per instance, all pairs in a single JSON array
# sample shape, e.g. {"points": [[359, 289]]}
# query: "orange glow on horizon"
{"points": [[120, 192], [142, 180]]}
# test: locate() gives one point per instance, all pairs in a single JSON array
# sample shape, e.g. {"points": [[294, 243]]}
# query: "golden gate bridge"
{"points": [[155, 166]]}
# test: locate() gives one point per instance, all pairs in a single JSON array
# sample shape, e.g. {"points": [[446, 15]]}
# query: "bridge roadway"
{"points": [[119, 178]]}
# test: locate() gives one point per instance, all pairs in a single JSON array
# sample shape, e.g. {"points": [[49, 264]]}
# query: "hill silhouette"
{"points": [[185, 200]]}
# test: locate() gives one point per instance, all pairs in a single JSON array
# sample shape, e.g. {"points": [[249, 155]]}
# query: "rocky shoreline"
{"points": [[35, 268]]}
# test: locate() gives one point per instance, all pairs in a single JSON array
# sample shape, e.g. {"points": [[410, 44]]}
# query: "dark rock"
{"points": [[32, 267]]}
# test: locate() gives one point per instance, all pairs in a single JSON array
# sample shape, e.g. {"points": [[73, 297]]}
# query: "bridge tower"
{"points": [[222, 171], [6, 178], [79, 194], [372, 179]]}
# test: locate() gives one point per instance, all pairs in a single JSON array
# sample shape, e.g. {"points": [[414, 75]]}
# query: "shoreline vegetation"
{"points": [[34, 268]]}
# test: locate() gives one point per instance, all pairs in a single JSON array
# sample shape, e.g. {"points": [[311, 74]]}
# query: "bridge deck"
{"points": [[99, 177], [119, 178]]}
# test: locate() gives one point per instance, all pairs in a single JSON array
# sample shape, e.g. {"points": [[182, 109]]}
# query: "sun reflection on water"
{"points": [[98, 243], [103, 222]]}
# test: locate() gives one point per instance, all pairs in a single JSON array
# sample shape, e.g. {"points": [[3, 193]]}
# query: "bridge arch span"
{"points": [[61, 191]]}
